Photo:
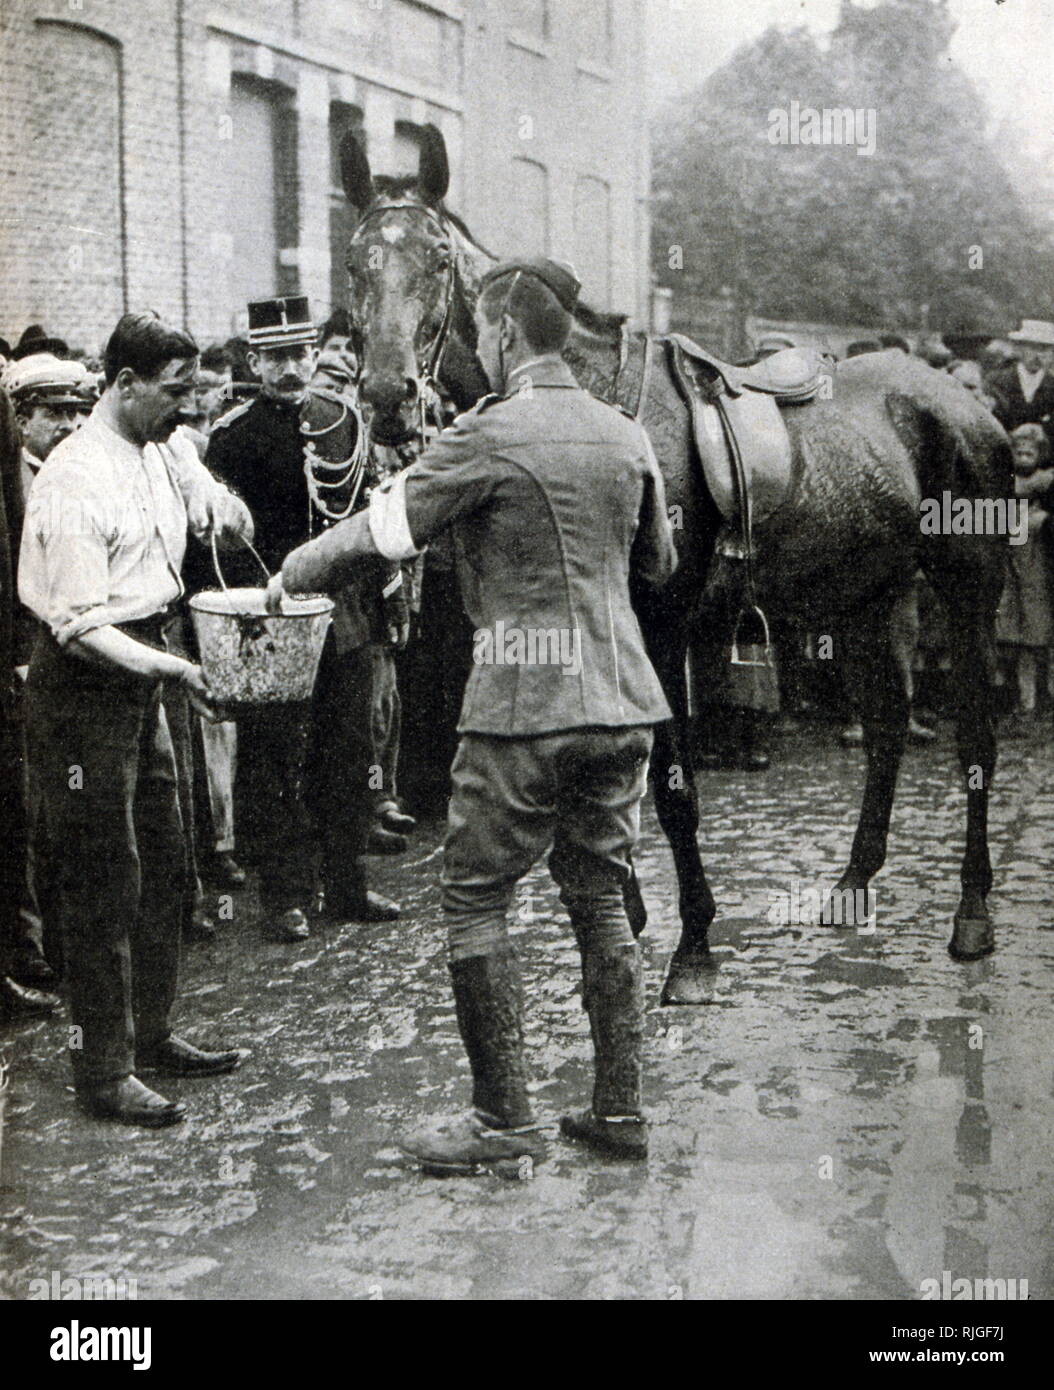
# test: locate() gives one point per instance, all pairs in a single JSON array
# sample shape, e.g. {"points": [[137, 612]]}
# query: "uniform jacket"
{"points": [[258, 451], [1011, 409], [552, 496]]}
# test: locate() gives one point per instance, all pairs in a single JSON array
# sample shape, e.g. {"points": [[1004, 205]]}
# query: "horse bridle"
{"points": [[430, 362]]}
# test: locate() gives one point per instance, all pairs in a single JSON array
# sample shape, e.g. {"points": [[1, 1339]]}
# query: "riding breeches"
{"points": [[576, 793]]}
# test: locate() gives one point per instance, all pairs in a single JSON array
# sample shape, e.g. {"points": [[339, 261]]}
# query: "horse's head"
{"points": [[402, 266]]}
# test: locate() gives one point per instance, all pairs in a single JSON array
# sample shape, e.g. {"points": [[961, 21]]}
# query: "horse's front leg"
{"points": [[690, 976]]}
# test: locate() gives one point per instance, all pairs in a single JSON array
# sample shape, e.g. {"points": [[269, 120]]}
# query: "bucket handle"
{"points": [[219, 572]]}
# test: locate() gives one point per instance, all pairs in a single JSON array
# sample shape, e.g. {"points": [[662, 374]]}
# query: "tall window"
{"points": [[261, 181], [76, 267], [530, 202], [342, 118], [593, 238]]}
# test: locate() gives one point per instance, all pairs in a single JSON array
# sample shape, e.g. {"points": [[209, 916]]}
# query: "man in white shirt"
{"points": [[102, 548]]}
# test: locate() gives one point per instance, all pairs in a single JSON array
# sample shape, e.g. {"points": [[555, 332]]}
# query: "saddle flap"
{"points": [[753, 420]]}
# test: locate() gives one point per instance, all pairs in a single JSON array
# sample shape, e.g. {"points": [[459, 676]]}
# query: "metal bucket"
{"points": [[251, 657]]}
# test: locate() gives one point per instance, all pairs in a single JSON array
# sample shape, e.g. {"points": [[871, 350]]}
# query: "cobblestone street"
{"points": [[854, 1114]]}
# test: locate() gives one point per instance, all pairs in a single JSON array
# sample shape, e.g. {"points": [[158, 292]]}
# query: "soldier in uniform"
{"points": [[553, 498], [258, 450]]}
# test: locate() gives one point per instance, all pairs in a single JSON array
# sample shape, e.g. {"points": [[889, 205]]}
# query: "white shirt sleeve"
{"points": [[63, 570], [196, 484]]}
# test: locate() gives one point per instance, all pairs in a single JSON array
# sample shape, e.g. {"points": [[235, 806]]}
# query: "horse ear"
{"points": [[355, 172], [433, 170]]}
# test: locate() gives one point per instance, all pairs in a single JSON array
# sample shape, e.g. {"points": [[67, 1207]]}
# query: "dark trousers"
{"points": [[13, 829], [272, 750], [182, 727], [354, 749], [100, 745]]}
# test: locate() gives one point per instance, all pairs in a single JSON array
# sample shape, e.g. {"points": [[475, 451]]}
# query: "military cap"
{"points": [[46, 380], [557, 276], [282, 322], [35, 341]]}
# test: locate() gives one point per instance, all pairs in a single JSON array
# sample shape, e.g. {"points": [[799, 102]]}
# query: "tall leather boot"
{"points": [[613, 994], [499, 1133]]}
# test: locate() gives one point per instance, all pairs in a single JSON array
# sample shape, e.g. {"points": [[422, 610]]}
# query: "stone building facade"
{"points": [[180, 154]]}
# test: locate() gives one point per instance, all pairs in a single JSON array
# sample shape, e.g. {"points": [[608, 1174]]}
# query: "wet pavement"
{"points": [[854, 1114]]}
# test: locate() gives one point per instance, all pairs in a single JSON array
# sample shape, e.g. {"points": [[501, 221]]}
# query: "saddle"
{"points": [[739, 432]]}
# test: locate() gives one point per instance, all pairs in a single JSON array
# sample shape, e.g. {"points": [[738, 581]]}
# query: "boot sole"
{"points": [[145, 1121], [603, 1144], [190, 1073]]}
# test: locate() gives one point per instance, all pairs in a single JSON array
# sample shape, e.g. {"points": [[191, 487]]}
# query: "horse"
{"points": [[835, 558]]}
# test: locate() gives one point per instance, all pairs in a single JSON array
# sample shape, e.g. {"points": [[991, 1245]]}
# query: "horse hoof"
{"points": [[690, 979], [972, 939]]}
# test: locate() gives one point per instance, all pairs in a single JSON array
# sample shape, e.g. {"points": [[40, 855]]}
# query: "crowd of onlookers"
{"points": [[49, 389]]}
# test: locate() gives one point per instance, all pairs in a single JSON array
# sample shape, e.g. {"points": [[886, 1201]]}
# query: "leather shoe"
{"points": [[397, 821], [369, 907], [226, 872], [30, 968], [292, 925], [130, 1101], [180, 1058], [23, 1001], [201, 927], [382, 841]]}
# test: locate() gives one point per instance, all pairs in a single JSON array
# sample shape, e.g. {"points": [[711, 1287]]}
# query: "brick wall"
{"points": [[116, 140]]}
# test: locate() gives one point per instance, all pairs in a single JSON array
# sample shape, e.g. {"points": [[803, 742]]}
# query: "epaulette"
{"points": [[235, 413]]}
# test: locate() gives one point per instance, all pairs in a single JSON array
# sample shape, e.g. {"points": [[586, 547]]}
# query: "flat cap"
{"points": [[47, 378], [557, 276], [283, 322]]}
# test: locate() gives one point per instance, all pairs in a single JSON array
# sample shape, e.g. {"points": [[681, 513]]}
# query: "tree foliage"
{"points": [[822, 232]]}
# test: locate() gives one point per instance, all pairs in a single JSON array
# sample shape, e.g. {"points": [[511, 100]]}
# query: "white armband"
{"points": [[387, 518]]}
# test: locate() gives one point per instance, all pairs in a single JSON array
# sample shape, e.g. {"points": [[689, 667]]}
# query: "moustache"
{"points": [[290, 383]]}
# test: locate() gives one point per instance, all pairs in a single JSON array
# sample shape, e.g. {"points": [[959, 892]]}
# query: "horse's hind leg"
{"points": [[879, 688], [970, 596]]}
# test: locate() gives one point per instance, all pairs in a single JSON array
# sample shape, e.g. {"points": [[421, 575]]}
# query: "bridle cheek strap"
{"points": [[429, 364]]}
